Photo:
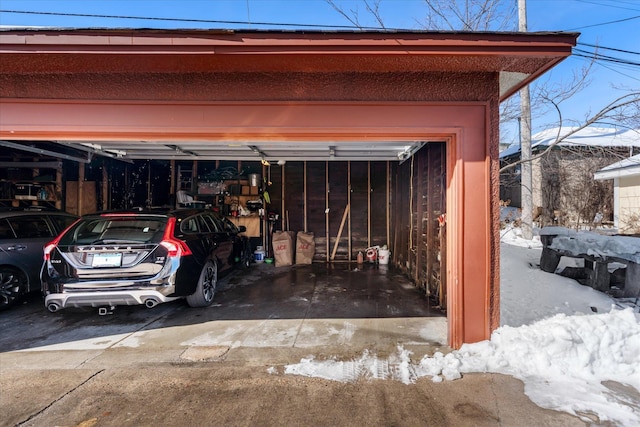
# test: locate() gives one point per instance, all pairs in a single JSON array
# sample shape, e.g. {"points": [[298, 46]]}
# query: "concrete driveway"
{"points": [[174, 365]]}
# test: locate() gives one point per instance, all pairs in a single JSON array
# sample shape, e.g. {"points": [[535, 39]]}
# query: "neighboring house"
{"points": [[564, 191], [626, 185]]}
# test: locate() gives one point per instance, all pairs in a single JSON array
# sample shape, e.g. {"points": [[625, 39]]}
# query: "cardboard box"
{"points": [[253, 190], [245, 190]]}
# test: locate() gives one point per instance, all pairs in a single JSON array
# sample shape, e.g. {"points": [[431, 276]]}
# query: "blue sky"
{"points": [[589, 17]]}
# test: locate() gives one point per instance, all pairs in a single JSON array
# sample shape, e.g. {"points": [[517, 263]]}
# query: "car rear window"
{"points": [[105, 230]]}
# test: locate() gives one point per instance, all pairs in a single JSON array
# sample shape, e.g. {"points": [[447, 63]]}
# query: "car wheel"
{"points": [[206, 288], [13, 285]]}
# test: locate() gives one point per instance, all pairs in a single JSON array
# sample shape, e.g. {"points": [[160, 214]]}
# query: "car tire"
{"points": [[206, 288], [13, 286]]}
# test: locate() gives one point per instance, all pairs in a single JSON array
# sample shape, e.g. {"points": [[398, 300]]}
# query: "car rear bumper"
{"points": [[148, 297]]}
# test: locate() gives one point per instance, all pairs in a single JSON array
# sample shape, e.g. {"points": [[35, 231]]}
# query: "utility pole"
{"points": [[526, 173]]}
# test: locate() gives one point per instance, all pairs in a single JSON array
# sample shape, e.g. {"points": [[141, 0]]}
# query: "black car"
{"points": [[23, 234], [142, 257]]}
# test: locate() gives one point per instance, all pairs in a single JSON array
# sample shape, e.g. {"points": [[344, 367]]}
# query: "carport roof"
{"points": [[518, 58]]}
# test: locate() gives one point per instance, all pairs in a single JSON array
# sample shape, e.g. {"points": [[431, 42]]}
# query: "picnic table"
{"points": [[598, 251]]}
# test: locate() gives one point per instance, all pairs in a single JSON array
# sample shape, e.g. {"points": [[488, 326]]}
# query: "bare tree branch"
{"points": [[371, 6], [470, 15], [374, 9], [624, 109]]}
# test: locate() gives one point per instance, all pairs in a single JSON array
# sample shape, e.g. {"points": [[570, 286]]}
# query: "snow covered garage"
{"points": [[340, 110]]}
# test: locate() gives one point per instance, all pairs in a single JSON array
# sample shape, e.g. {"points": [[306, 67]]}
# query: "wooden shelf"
{"points": [[26, 191]]}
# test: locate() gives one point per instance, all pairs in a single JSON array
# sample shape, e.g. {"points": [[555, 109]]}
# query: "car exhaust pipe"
{"points": [[150, 302], [53, 307]]}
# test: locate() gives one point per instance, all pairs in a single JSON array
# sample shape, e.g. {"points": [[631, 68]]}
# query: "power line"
{"points": [[604, 23], [609, 5], [609, 48], [603, 56], [600, 56], [583, 55], [276, 24], [618, 71], [201, 21]]}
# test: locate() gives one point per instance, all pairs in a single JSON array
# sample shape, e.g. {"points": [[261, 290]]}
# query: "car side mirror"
{"points": [[242, 229]]}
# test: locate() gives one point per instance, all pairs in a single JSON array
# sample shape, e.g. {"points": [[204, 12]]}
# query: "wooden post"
{"points": [[80, 185], [105, 188], [172, 182], [396, 217], [283, 197], [349, 204], [149, 194], [387, 208], [304, 194], [410, 240], [326, 207], [368, 204], [344, 218], [194, 176], [58, 190]]}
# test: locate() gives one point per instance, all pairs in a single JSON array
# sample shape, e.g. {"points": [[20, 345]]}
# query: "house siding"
{"points": [[629, 193]]}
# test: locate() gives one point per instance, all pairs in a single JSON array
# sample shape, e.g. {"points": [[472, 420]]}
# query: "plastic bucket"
{"points": [[383, 256], [372, 255], [258, 254]]}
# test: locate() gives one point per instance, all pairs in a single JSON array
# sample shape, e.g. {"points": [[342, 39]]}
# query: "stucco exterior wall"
{"points": [[254, 86], [629, 199]]}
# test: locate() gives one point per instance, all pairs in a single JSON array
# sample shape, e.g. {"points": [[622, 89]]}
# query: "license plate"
{"points": [[107, 260]]}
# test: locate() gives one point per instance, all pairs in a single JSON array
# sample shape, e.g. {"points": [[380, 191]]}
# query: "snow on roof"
{"points": [[589, 136], [623, 168]]}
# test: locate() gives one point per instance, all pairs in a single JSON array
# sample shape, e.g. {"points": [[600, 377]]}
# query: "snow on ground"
{"points": [[576, 349]]}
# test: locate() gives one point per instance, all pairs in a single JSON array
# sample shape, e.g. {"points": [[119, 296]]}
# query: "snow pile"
{"points": [[528, 294], [563, 340], [563, 361], [513, 236]]}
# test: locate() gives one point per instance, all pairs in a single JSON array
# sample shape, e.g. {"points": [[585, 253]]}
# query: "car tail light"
{"points": [[49, 247], [175, 247]]}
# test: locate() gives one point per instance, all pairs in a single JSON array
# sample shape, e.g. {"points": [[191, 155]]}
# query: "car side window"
{"points": [[203, 225], [213, 224], [5, 230], [189, 225], [29, 227]]}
